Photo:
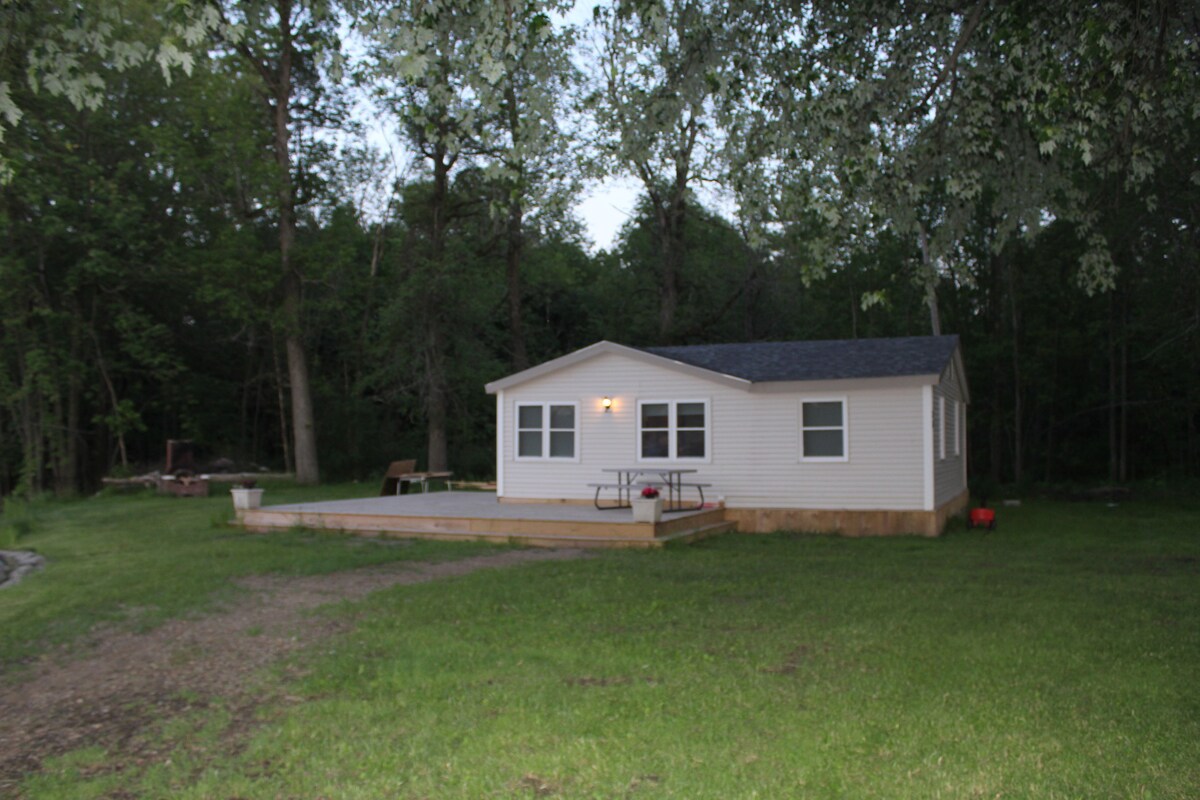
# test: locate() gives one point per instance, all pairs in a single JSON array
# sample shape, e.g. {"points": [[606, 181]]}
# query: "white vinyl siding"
{"points": [[753, 439], [949, 470]]}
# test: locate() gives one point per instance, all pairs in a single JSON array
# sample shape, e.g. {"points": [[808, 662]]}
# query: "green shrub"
{"points": [[15, 524]]}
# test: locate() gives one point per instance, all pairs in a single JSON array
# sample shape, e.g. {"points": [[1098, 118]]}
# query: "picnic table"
{"points": [[423, 478], [631, 479]]}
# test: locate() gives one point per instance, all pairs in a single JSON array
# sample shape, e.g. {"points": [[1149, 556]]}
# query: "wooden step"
{"points": [[696, 534]]}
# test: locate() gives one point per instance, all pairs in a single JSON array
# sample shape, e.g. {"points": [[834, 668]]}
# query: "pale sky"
{"points": [[605, 208], [602, 207]]}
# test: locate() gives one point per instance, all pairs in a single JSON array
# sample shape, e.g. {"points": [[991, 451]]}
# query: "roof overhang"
{"points": [[765, 387], [612, 348]]}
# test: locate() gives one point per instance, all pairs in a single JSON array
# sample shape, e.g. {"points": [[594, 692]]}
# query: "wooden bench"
{"points": [[480, 486], [396, 477]]}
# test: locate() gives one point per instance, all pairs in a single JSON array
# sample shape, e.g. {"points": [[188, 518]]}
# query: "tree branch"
{"points": [[246, 52], [950, 68]]}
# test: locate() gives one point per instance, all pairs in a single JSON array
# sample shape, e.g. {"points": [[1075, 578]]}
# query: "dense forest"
{"points": [[198, 240]]}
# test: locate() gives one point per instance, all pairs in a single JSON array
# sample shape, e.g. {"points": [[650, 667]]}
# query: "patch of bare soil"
{"points": [[110, 687]]}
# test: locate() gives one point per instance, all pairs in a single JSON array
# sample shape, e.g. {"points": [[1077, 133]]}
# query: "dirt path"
{"points": [[106, 694]]}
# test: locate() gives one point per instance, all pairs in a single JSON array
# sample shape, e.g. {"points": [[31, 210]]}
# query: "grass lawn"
{"points": [[1058, 657], [140, 558]]}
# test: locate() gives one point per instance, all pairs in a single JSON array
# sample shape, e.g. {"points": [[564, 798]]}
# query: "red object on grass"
{"points": [[982, 517]]}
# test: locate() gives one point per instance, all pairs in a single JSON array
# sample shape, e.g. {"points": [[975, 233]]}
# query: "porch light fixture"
{"points": [[607, 403]]}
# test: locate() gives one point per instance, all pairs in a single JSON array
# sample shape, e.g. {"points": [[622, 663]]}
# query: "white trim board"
{"points": [[927, 446], [500, 444]]}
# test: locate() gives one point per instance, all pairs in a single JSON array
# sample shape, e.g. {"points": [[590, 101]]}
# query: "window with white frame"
{"points": [[673, 430], [823, 430], [547, 430]]}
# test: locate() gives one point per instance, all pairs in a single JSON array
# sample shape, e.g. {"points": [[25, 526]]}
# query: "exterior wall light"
{"points": [[607, 403]]}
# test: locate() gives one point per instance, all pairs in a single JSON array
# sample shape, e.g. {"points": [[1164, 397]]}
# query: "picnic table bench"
{"points": [[622, 494], [629, 479]]}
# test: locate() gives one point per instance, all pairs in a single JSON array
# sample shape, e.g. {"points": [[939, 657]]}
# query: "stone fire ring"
{"points": [[16, 564]]}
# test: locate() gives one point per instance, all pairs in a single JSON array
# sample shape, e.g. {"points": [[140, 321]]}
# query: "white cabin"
{"points": [[860, 436]]}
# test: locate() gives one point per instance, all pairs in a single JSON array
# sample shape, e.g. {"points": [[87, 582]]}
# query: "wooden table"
{"points": [[629, 478]]}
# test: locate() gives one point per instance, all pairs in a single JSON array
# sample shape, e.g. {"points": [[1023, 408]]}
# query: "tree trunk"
{"points": [[31, 430], [249, 382], [56, 440], [514, 249], [995, 314], [259, 402], [35, 457], [283, 416], [1191, 453], [670, 210], [996, 434], [59, 432], [750, 306], [5, 483], [853, 315], [1123, 455], [671, 245], [1010, 270], [930, 280], [67, 480], [112, 398], [75, 476], [1113, 439], [304, 432], [669, 288], [435, 407], [1051, 404], [435, 389]]}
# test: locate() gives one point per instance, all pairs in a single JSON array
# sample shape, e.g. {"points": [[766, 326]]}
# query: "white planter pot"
{"points": [[647, 510], [244, 499]]}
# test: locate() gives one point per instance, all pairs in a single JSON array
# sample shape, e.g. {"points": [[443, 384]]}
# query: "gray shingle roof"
{"points": [[820, 360]]}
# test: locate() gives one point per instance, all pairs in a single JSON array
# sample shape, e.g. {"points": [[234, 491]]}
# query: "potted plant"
{"points": [[648, 507], [246, 496]]}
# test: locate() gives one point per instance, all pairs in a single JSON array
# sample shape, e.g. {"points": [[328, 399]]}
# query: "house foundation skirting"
{"points": [[846, 522], [819, 520]]}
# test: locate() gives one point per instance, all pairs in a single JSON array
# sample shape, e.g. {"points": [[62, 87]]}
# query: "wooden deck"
{"points": [[479, 516]]}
